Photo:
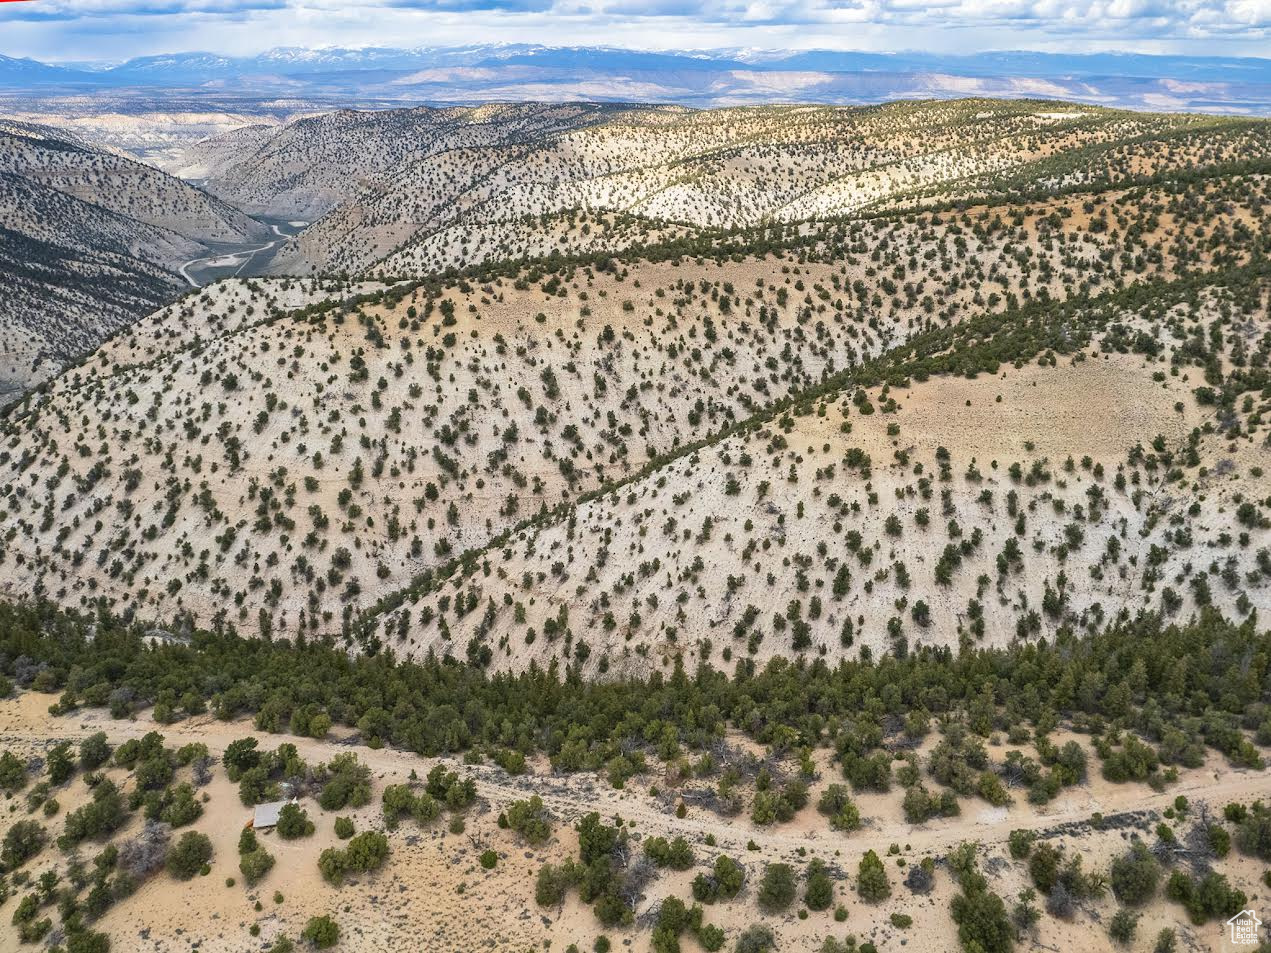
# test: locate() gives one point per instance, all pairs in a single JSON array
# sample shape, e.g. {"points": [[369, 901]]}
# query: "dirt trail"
{"points": [[25, 721]]}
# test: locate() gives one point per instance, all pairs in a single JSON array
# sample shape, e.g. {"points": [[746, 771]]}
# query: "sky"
{"points": [[113, 30]]}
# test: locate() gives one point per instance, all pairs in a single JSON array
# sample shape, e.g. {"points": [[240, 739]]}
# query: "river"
{"points": [[232, 261]]}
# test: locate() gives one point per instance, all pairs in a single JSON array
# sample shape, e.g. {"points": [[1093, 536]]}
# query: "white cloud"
{"points": [[113, 29]]}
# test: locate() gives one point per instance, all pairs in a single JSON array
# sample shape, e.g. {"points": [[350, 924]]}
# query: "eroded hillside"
{"points": [[287, 469], [414, 191], [94, 241], [799, 529]]}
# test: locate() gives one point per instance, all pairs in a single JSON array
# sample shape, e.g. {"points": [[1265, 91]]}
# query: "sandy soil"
{"points": [[432, 894]]}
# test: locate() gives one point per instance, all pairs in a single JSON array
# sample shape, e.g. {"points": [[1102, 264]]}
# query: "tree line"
{"points": [[1208, 677]]}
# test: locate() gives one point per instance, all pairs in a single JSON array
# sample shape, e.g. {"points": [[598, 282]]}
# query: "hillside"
{"points": [[411, 192], [943, 510], [94, 241], [56, 160], [769, 530], [307, 167], [318, 461]]}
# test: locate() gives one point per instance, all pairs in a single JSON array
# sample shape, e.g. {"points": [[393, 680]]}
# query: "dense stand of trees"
{"points": [[1210, 676]]}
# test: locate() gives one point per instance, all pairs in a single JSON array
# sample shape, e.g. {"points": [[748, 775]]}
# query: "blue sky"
{"points": [[76, 30]]}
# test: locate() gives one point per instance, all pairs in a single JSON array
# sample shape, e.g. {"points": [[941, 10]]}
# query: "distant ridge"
{"points": [[696, 78]]}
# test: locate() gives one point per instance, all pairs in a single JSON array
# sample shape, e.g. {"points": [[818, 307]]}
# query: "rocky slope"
{"points": [[418, 191], [305, 168], [322, 468], [94, 242]]}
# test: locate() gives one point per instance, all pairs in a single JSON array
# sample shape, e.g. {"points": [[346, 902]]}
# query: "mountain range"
{"points": [[482, 73]]}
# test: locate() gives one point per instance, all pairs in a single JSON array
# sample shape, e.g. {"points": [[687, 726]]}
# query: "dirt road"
{"points": [[240, 257], [24, 721]]}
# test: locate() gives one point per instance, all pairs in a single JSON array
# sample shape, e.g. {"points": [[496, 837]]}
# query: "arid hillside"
{"points": [[310, 463], [782, 530], [93, 241], [405, 191], [56, 160], [930, 511], [305, 168]]}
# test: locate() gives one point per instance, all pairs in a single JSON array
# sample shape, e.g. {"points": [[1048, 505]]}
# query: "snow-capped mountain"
{"points": [[364, 76]]}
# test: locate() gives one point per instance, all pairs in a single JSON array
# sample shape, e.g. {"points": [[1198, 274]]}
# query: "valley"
{"points": [[93, 242], [233, 261]]}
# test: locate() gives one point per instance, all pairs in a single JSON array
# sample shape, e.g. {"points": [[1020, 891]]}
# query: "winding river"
{"points": [[231, 261]]}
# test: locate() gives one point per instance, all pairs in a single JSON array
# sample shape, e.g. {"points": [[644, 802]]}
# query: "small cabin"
{"points": [[266, 815]]}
